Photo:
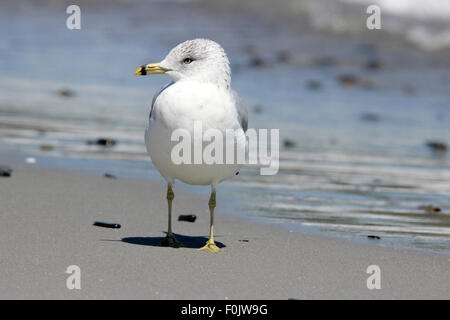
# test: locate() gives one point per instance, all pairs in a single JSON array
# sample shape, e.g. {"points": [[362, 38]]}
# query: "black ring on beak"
{"points": [[142, 70]]}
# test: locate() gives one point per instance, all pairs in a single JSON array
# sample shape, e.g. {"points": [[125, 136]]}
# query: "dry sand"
{"points": [[46, 221]]}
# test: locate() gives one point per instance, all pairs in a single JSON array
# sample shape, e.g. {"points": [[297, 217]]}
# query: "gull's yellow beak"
{"points": [[151, 68]]}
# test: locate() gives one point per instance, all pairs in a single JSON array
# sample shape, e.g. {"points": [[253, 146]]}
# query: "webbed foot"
{"points": [[210, 246]]}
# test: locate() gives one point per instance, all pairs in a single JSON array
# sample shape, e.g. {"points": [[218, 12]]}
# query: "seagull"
{"points": [[200, 90]]}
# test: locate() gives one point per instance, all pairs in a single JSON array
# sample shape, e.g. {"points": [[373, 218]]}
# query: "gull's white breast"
{"points": [[179, 106]]}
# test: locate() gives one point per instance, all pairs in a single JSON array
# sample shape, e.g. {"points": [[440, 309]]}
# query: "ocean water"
{"points": [[357, 164]]}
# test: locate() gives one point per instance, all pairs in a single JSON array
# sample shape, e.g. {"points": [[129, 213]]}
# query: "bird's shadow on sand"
{"points": [[193, 242]]}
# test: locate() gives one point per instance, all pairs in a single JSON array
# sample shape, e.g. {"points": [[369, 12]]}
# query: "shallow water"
{"points": [[359, 166]]}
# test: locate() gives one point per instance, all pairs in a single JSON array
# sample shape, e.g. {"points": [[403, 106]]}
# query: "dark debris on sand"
{"points": [[430, 209], [288, 143], [314, 85], [257, 109], [370, 117], [111, 225], [187, 217], [348, 80], [66, 93], [284, 56], [103, 142], [5, 171], [373, 64], [437, 146], [257, 62], [46, 147]]}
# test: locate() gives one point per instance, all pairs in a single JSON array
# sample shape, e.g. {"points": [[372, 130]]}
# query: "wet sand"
{"points": [[46, 219]]}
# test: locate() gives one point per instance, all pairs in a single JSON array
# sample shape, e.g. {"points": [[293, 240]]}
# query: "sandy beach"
{"points": [[46, 225]]}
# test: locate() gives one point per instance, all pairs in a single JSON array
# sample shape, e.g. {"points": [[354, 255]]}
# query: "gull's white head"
{"points": [[197, 60]]}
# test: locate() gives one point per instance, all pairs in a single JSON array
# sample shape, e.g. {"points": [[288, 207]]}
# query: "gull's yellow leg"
{"points": [[170, 240], [210, 244]]}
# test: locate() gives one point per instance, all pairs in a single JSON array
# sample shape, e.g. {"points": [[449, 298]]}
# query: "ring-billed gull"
{"points": [[200, 91]]}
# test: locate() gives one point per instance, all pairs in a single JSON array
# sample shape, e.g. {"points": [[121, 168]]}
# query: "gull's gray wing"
{"points": [[157, 94], [241, 111]]}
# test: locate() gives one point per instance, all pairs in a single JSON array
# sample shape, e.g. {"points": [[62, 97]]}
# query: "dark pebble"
{"points": [[430, 209], [314, 84], [374, 237], [288, 143], [284, 57], [187, 217], [5, 171], [370, 117], [110, 176], [46, 147], [373, 64], [257, 62], [104, 142], [437, 146], [348, 80], [107, 224], [66, 93], [257, 109]]}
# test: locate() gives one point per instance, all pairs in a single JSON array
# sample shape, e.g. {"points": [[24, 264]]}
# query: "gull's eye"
{"points": [[187, 60]]}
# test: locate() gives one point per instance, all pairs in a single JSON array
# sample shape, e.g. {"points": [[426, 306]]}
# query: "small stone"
{"points": [[373, 64], [314, 84], [5, 171], [187, 217], [46, 147], [257, 109], [66, 93], [257, 62], [288, 143], [284, 56], [430, 209], [348, 80], [104, 142], [437, 146], [107, 224], [370, 117]]}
